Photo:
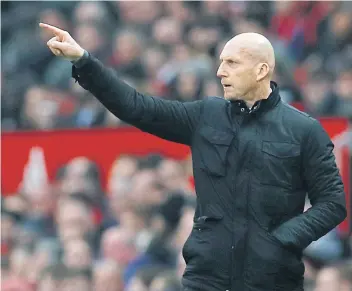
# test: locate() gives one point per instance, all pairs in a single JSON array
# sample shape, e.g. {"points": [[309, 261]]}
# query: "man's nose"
{"points": [[221, 72]]}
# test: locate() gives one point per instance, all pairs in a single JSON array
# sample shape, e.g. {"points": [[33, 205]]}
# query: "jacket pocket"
{"points": [[205, 223], [269, 262], [213, 150], [281, 162], [202, 248]]}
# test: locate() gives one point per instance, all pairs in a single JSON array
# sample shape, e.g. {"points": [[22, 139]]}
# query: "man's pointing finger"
{"points": [[53, 29]]}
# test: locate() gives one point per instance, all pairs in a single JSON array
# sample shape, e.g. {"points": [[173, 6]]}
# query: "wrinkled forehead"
{"points": [[237, 50]]}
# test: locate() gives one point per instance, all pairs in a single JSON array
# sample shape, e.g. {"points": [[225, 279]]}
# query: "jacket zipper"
{"points": [[240, 121]]}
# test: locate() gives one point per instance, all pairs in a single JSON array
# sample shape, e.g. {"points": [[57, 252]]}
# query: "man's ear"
{"points": [[262, 71]]}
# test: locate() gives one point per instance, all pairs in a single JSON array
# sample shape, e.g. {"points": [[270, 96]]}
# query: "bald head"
{"points": [[247, 63], [254, 46]]}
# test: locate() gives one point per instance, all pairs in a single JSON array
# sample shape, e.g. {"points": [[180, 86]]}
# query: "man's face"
{"points": [[172, 175], [77, 254], [237, 71], [74, 221], [145, 182]]}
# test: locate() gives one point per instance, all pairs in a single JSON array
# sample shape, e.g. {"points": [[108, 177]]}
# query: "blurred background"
{"points": [[89, 203]]}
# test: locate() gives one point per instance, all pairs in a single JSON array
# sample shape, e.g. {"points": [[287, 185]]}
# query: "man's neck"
{"points": [[260, 93]]}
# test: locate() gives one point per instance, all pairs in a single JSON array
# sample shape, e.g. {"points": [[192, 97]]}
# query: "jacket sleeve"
{"points": [[171, 120], [325, 191]]}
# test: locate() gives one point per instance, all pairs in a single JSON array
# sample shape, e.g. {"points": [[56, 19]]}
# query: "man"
{"points": [[254, 160]]}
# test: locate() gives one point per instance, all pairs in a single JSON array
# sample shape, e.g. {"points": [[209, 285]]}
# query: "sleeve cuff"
{"points": [[80, 62]]}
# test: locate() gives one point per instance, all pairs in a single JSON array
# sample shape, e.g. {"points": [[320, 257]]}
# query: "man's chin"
{"points": [[230, 97]]}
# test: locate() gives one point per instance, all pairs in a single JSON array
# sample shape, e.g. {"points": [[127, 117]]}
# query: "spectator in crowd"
{"points": [[46, 253], [307, 36], [160, 251], [173, 176], [75, 222]]}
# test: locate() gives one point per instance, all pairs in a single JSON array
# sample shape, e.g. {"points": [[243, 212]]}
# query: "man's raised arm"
{"points": [[171, 120]]}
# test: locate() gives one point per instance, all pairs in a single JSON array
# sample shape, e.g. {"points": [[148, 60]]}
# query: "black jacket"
{"points": [[252, 171]]}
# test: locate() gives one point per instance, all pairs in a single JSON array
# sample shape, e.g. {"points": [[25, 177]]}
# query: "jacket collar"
{"points": [[240, 107]]}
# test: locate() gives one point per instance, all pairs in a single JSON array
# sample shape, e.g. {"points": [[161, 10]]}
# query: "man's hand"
{"points": [[62, 44]]}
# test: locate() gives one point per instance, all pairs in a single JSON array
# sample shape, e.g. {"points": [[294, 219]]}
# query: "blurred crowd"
{"points": [[168, 49], [75, 235]]}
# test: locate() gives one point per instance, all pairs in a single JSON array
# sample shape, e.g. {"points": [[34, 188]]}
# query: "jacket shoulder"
{"points": [[300, 123], [294, 110], [297, 115], [214, 110], [214, 103]]}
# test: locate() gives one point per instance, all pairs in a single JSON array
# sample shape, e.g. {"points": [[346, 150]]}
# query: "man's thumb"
{"points": [[58, 45]]}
